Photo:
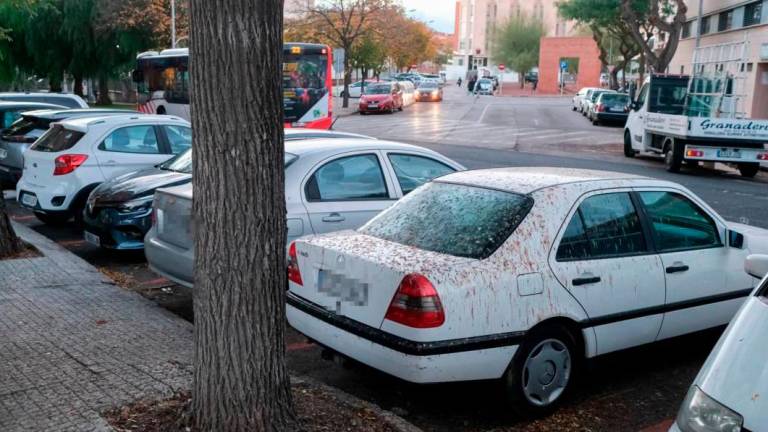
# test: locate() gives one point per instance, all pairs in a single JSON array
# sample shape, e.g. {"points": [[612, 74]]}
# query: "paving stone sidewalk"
{"points": [[73, 344]]}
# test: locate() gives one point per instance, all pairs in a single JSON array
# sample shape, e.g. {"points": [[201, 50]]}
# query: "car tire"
{"points": [[161, 110], [58, 219], [673, 156], [543, 371], [749, 170], [628, 150], [595, 122], [573, 108]]}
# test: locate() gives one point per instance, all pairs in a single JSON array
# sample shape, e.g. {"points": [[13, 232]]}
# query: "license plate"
{"points": [[732, 154], [92, 238], [616, 109], [373, 105], [3, 153], [29, 200]]}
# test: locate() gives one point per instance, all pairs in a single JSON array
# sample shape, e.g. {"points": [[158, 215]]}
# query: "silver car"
{"points": [[331, 185]]}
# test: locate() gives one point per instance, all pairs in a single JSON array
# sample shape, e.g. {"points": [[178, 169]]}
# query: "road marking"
{"points": [[559, 134], [482, 115]]}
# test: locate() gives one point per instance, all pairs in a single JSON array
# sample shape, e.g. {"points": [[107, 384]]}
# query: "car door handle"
{"points": [[334, 217], [677, 268], [110, 162], [585, 280]]}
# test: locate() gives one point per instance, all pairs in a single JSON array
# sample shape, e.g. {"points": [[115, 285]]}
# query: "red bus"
{"points": [[162, 80]]}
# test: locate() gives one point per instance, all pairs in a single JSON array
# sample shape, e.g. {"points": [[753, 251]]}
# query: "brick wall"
{"points": [[552, 49]]}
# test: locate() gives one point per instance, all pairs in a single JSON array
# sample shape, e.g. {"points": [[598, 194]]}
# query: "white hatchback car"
{"points": [[728, 394], [578, 98], [76, 155], [520, 273]]}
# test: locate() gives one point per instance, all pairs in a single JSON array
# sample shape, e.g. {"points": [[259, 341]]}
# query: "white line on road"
{"points": [[482, 115]]}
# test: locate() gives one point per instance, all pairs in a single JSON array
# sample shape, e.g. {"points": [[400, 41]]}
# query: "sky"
{"points": [[440, 12]]}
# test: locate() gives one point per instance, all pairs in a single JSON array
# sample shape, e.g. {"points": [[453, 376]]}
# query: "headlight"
{"points": [[701, 413], [434, 92], [138, 204]]}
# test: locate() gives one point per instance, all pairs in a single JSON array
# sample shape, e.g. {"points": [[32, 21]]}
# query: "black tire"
{"points": [[673, 156], [516, 376], [161, 110], [628, 151], [573, 108], [57, 219], [749, 170], [595, 122]]}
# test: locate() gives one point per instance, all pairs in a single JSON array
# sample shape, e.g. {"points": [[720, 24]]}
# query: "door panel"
{"points": [[346, 192], [603, 259]]}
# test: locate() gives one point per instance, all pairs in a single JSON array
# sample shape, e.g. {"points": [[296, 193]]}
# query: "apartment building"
{"points": [[477, 20], [724, 21], [294, 8]]}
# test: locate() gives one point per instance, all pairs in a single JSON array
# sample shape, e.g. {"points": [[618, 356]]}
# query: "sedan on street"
{"points": [[429, 92], [578, 98], [520, 274], [382, 97], [728, 393], [590, 100], [609, 108], [331, 185]]}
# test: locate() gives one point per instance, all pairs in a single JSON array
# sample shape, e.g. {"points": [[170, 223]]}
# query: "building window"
{"points": [[753, 13], [704, 25], [687, 29], [461, 62], [725, 20]]}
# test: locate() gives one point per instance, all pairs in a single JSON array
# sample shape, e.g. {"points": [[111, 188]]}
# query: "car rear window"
{"points": [[608, 97], [57, 139], [52, 99], [452, 219], [25, 125]]}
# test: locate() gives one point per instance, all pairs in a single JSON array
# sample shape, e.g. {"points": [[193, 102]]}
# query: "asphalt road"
{"points": [[626, 391]]}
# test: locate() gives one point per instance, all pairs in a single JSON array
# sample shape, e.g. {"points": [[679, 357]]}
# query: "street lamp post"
{"points": [[173, 23]]}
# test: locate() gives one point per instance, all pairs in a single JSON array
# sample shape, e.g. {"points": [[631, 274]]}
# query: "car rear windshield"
{"points": [[57, 139], [458, 220], [614, 98], [25, 125]]}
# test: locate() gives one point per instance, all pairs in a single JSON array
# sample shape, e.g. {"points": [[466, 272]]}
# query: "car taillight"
{"points": [[762, 156], [294, 275], [416, 303], [694, 153], [600, 108], [65, 164]]}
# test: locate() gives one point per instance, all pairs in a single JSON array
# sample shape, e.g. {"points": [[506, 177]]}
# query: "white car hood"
{"points": [[735, 374]]}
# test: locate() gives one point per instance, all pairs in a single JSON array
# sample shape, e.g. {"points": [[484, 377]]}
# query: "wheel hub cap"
{"points": [[546, 372]]}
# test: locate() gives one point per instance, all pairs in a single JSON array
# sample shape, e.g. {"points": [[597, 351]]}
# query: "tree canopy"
{"points": [[516, 43]]}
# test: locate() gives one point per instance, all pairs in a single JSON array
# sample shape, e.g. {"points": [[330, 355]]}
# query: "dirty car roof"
{"points": [[526, 180]]}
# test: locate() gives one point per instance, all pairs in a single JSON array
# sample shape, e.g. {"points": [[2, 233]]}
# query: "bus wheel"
{"points": [[673, 155], [749, 170], [161, 110]]}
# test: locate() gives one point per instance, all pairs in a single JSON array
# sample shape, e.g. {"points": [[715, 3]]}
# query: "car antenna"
{"points": [[334, 122]]}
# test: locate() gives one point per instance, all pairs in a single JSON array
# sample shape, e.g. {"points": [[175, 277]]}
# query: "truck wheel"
{"points": [[628, 151], [673, 157], [543, 371], [749, 170]]}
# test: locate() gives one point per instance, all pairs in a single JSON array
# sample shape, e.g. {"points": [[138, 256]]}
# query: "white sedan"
{"points": [[578, 98], [728, 393], [520, 274]]}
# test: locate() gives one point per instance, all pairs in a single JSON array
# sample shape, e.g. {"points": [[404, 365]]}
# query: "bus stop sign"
{"points": [[563, 65]]}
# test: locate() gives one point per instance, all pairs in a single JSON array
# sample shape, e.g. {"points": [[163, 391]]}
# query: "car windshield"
{"points": [[595, 95], [181, 163], [429, 85], [57, 139], [435, 217], [378, 89]]}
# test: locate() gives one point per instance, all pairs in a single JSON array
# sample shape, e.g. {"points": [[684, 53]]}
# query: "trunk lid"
{"points": [[39, 167], [174, 215], [356, 275]]}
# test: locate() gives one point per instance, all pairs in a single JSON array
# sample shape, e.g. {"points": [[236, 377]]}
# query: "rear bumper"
{"points": [[418, 362], [169, 261], [616, 117], [725, 153], [119, 231]]}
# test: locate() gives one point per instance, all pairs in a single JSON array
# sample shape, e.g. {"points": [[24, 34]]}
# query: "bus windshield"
{"points": [[304, 83]]}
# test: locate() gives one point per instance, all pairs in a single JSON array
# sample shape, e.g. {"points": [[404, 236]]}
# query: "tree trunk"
{"points": [[9, 243], [78, 90], [240, 379], [347, 81], [521, 77], [103, 98], [54, 82]]}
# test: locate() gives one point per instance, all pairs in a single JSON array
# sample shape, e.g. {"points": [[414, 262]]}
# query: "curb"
{"points": [[392, 420]]}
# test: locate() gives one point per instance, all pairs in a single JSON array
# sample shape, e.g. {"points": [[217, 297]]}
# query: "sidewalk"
{"points": [[73, 344]]}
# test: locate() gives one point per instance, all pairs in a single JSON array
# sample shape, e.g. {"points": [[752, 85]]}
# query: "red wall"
{"points": [[552, 49]]}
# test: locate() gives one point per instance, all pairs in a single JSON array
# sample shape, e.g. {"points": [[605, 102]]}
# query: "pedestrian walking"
{"points": [[471, 86], [458, 82]]}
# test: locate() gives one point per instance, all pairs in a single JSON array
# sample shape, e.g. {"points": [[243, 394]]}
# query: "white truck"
{"points": [[696, 118]]}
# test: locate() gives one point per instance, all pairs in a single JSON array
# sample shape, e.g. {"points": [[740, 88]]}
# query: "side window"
{"points": [[603, 226], [413, 171], [349, 178], [642, 95], [678, 223], [132, 139], [9, 117], [179, 137]]}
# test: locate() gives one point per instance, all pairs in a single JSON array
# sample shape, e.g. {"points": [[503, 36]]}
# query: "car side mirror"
{"points": [[735, 239], [756, 265]]}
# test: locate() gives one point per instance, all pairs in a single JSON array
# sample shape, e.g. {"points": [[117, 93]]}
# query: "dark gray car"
{"points": [[16, 138]]}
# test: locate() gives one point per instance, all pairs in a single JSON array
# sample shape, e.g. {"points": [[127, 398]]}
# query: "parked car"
{"points": [[610, 107], [550, 266], [589, 100], [11, 111], [429, 92], [381, 97], [728, 391], [484, 86], [117, 213], [409, 92], [19, 136], [578, 98], [331, 184], [356, 89], [434, 77], [76, 155], [62, 99]]}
